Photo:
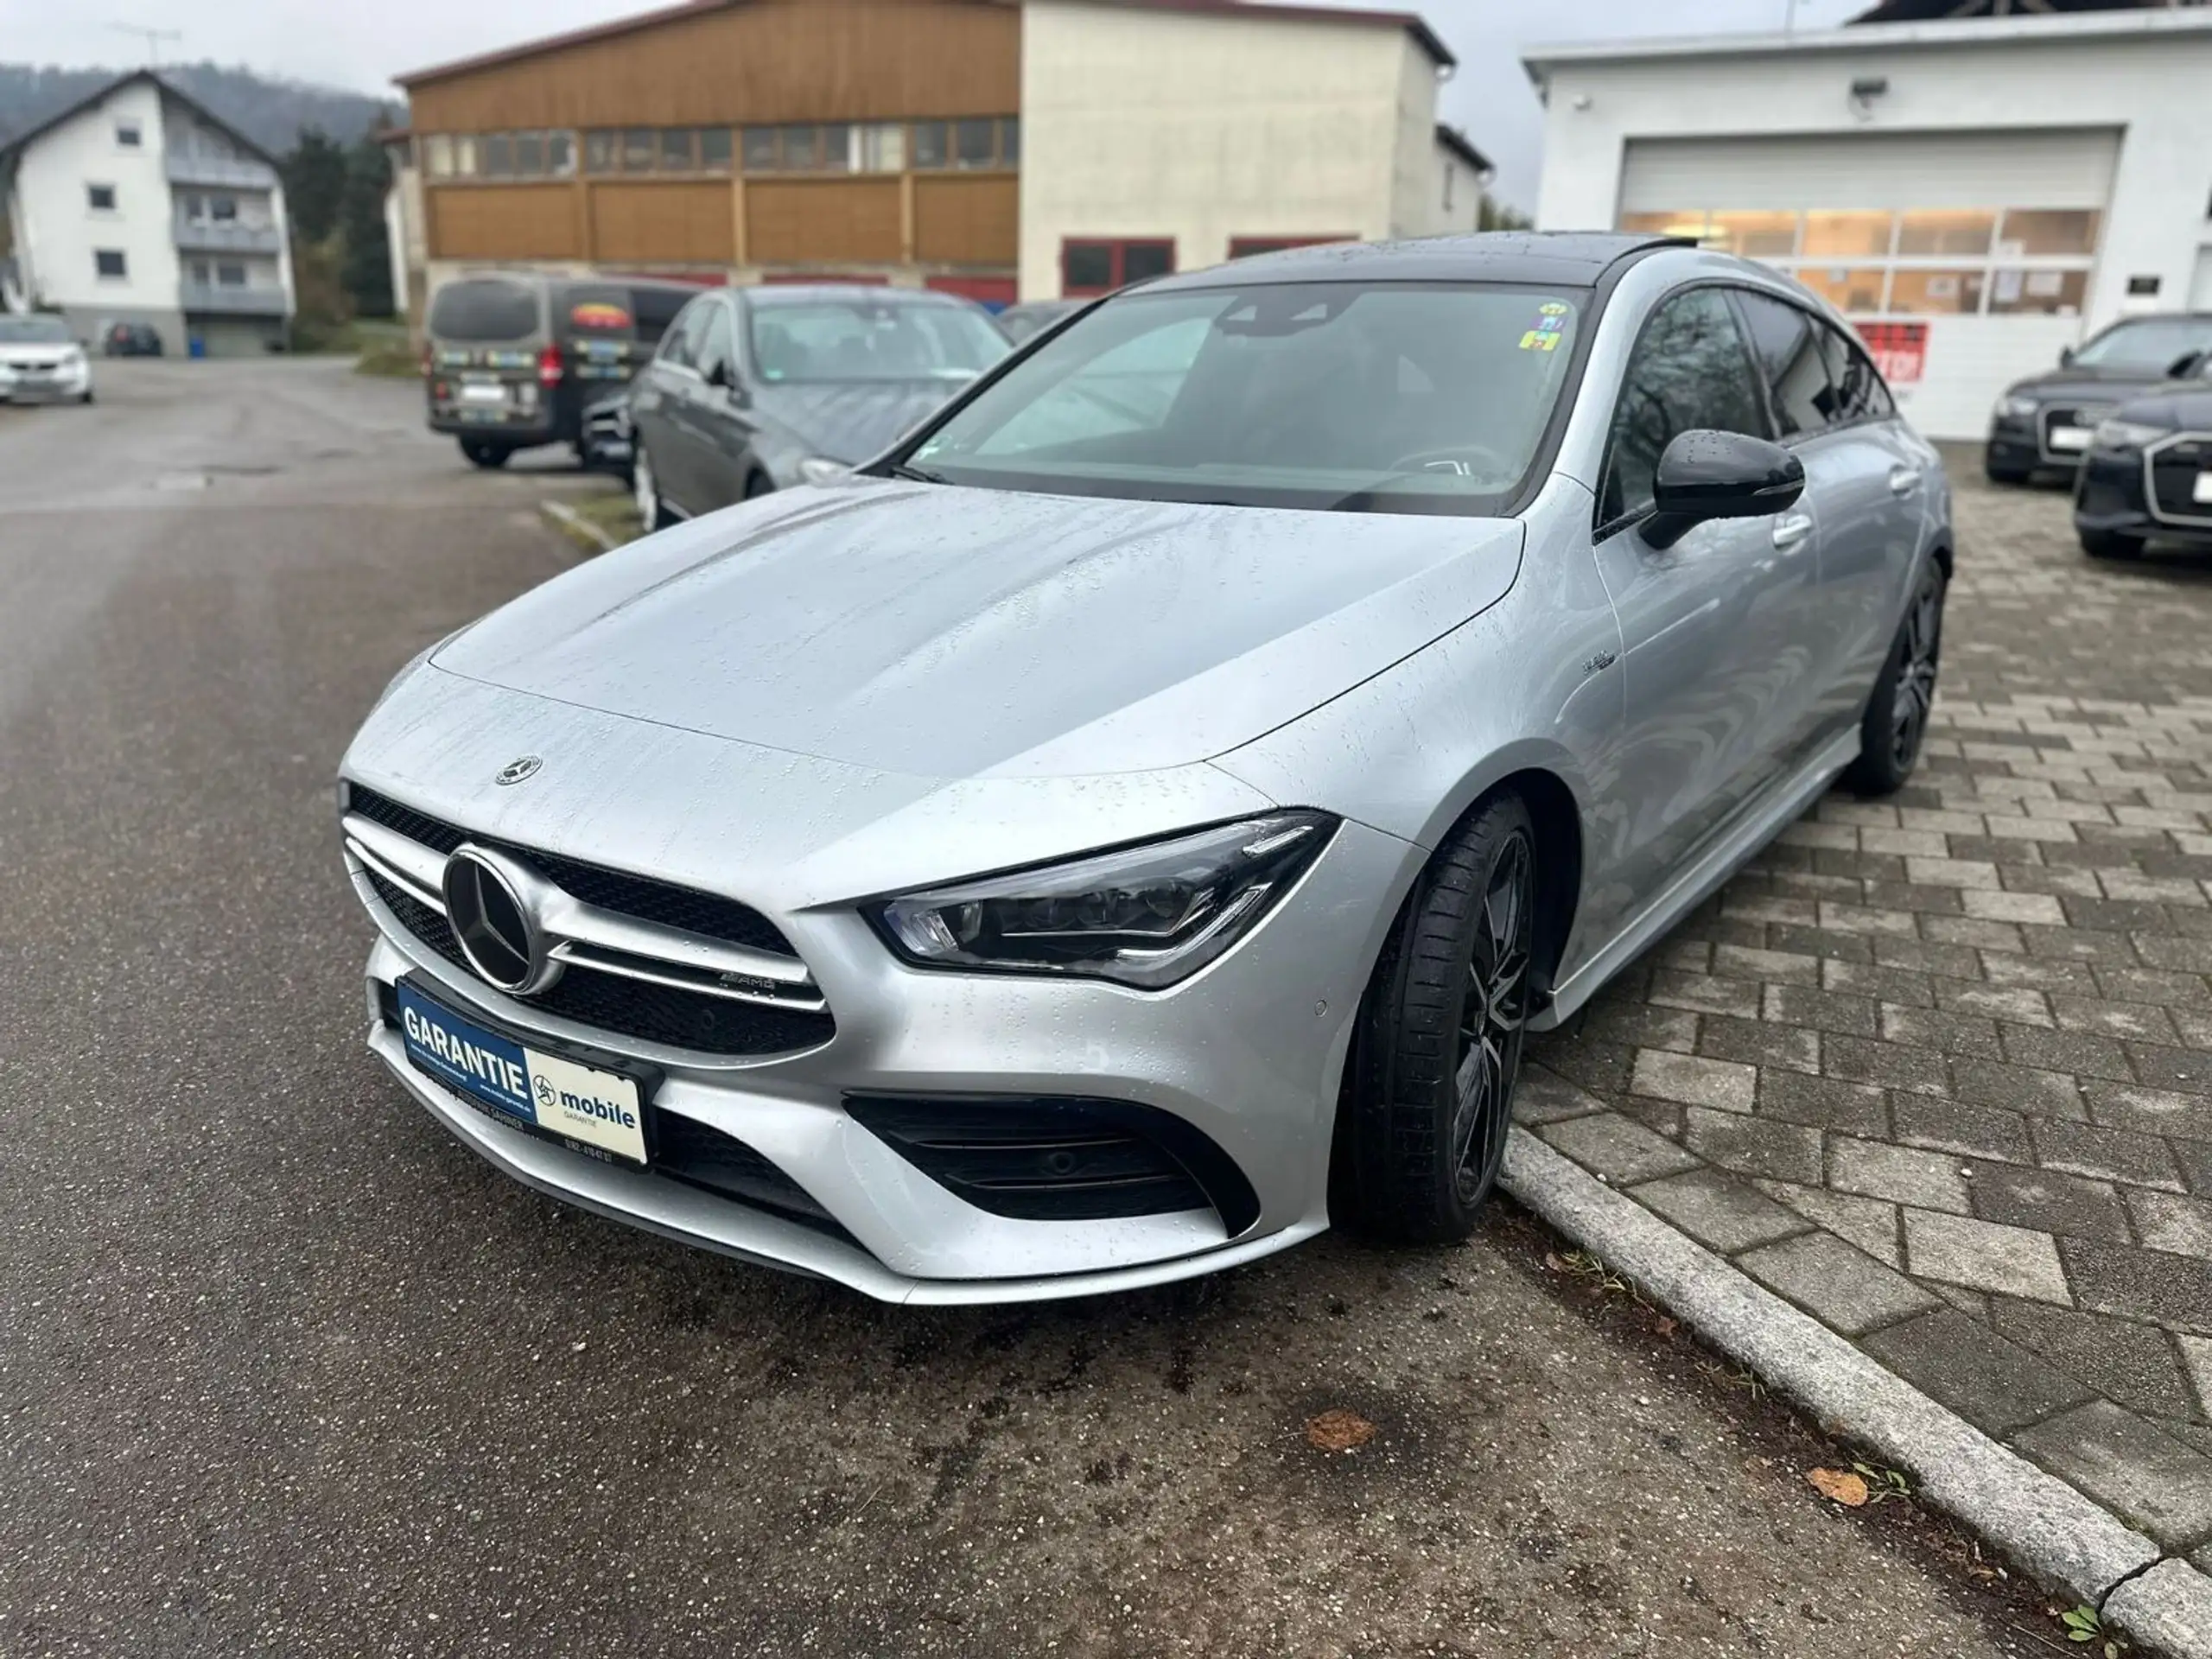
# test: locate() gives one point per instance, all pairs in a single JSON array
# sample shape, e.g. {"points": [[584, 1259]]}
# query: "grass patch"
{"points": [[615, 512]]}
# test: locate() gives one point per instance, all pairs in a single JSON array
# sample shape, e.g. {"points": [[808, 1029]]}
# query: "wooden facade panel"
{"points": [[663, 221], [504, 221], [967, 220], [822, 221], [753, 60]]}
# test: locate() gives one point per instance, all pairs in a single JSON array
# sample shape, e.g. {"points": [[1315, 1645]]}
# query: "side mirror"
{"points": [[2066, 357], [724, 379], [1705, 475]]}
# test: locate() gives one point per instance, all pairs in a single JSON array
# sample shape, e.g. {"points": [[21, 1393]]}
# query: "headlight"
{"points": [[2012, 408], [2126, 434], [819, 469], [1145, 916]]}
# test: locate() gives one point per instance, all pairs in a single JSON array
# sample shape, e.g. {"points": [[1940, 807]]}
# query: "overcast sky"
{"points": [[361, 46]]}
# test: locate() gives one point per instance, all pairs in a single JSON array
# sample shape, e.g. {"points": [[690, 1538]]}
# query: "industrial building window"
{"points": [[1091, 265], [975, 144], [1922, 262], [100, 198], [108, 262], [437, 155], [654, 150], [536, 154]]}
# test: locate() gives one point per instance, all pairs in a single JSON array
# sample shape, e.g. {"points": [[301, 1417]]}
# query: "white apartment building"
{"points": [[1167, 136], [136, 205], [1977, 193]]}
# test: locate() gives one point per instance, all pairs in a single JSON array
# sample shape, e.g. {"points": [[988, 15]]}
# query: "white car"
{"points": [[41, 362]]}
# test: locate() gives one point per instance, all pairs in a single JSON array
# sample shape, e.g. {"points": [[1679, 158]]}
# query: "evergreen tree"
{"points": [[365, 264]]}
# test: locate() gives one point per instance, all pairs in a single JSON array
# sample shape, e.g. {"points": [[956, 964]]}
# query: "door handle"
{"points": [[1787, 532], [1902, 478]]}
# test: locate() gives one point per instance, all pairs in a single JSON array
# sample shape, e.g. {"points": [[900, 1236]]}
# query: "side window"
{"points": [[1787, 342], [680, 345], [1689, 373], [712, 342], [1861, 395]]}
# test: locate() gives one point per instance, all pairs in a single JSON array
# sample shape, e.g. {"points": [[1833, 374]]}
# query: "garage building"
{"points": [[1977, 192], [989, 147]]}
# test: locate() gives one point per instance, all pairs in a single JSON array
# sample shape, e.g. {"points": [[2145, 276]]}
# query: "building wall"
{"points": [[2149, 86], [1142, 123], [60, 233]]}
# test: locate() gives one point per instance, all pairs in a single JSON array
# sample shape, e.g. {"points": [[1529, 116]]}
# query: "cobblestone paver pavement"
{"points": [[1938, 1068]]}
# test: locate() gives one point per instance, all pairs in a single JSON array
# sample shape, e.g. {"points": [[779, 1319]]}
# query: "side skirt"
{"points": [[1765, 819]]}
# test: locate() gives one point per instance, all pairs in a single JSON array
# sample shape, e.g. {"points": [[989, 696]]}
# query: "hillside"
{"points": [[270, 113]]}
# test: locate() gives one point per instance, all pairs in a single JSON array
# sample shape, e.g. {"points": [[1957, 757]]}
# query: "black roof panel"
{"points": [[1574, 258]]}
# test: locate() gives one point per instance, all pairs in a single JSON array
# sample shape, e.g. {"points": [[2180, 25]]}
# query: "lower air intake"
{"points": [[1035, 1157]]}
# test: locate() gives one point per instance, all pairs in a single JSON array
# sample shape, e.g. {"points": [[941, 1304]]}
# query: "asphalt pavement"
{"points": [[285, 1370]]}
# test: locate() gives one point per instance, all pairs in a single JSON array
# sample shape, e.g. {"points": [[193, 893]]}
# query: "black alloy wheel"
{"points": [[1428, 1096], [1896, 721]]}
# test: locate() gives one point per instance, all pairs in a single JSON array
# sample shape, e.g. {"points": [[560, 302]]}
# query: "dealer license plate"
{"points": [[2069, 437], [598, 1110], [2202, 494]]}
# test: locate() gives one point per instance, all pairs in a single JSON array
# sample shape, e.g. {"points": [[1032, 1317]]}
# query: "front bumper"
{"points": [[1249, 1052], [64, 388], [2113, 494]]}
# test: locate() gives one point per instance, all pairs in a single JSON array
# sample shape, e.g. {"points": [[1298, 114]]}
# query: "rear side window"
{"points": [[680, 343], [597, 311], [1690, 371], [1861, 395], [483, 308], [1787, 342]]}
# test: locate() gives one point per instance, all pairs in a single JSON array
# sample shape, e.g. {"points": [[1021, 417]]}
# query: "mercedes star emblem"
{"points": [[516, 770], [492, 921]]}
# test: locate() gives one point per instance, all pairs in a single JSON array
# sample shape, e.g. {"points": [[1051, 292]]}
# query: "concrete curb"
{"points": [[2066, 1541], [2169, 1607], [577, 525]]}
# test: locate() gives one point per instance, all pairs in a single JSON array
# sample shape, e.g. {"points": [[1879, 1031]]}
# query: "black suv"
{"points": [[2049, 421], [513, 359]]}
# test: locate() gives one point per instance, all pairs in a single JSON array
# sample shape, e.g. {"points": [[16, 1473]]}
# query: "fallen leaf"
{"points": [[1341, 1431], [1552, 1261], [1838, 1485], [1664, 1326]]}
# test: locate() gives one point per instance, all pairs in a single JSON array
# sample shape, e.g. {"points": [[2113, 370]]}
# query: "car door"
{"points": [[721, 423], [1717, 675], [1831, 408], [659, 408]]}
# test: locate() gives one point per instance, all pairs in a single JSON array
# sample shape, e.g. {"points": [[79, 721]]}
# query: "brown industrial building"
{"points": [[758, 140]]}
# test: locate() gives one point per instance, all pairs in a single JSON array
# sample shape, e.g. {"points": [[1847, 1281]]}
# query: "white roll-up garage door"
{"points": [[1843, 171]]}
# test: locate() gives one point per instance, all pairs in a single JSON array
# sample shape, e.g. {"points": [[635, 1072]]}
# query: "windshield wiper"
{"points": [[919, 474]]}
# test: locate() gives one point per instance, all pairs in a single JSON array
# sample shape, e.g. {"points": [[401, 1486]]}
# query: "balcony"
{"points": [[226, 300], [185, 167], [226, 236]]}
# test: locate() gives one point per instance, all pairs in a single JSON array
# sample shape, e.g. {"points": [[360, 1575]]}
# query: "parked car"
{"points": [[2148, 474], [513, 358], [1131, 824], [130, 340], [41, 362], [2048, 420], [605, 445], [758, 389], [1034, 316]]}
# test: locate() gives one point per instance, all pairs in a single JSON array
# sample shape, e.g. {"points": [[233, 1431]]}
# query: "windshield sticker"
{"points": [[1551, 324]]}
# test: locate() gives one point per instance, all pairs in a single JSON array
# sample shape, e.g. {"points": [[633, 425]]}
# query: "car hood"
{"points": [[35, 356], [2100, 385], [852, 423], [946, 632], [2179, 411]]}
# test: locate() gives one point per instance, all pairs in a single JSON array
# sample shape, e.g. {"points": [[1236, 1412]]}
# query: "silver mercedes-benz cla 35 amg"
{"points": [[1133, 823]]}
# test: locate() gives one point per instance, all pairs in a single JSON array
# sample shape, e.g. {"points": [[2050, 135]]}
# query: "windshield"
{"points": [[1383, 397], [816, 341], [485, 308], [2154, 344], [33, 331]]}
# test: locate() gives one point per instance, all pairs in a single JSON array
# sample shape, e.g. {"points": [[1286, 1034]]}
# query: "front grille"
{"points": [[2174, 473], [640, 896], [1044, 1159], [2081, 415], [684, 1149], [631, 1008]]}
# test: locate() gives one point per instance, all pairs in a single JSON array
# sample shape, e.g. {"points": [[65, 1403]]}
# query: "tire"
{"points": [[484, 452], [88, 398], [1896, 721], [1422, 1125], [1997, 474], [758, 484], [644, 488], [2111, 544]]}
